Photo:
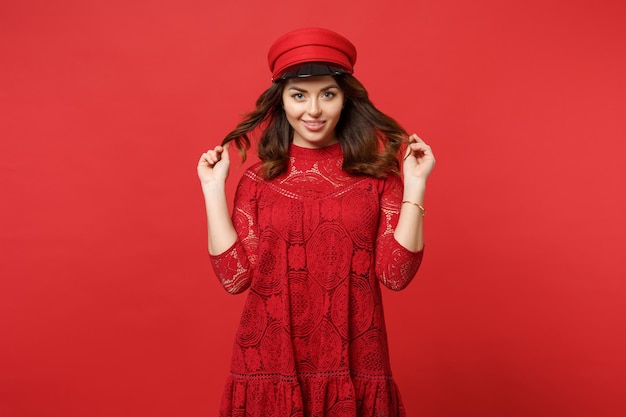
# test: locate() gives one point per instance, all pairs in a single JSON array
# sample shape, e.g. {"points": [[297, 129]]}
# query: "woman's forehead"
{"points": [[314, 82]]}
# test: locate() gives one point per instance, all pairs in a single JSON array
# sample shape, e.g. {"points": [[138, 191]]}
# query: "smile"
{"points": [[313, 125]]}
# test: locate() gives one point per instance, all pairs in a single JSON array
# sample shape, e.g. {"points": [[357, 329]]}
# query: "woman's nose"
{"points": [[314, 108]]}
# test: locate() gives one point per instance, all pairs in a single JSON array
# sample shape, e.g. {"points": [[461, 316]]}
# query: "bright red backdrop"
{"points": [[108, 306]]}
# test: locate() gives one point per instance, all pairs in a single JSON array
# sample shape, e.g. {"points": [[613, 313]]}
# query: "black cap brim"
{"points": [[312, 70]]}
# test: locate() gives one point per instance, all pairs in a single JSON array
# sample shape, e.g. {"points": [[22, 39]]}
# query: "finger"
{"points": [[204, 159], [418, 145], [415, 139], [408, 151], [411, 148], [212, 157], [224, 153], [419, 149], [415, 149]]}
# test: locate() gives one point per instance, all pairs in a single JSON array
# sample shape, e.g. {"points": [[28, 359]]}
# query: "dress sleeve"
{"points": [[395, 265], [234, 266]]}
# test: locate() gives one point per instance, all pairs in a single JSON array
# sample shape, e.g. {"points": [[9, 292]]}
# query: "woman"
{"points": [[318, 224]]}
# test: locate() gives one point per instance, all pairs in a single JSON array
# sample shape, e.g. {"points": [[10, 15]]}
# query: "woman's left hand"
{"points": [[419, 160]]}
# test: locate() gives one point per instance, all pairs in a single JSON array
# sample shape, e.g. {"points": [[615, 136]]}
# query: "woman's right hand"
{"points": [[213, 169], [214, 165]]}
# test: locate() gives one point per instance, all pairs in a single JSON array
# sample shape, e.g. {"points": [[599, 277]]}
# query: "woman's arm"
{"points": [[400, 242], [418, 164], [213, 169]]}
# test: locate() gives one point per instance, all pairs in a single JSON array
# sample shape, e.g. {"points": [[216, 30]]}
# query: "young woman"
{"points": [[318, 224]]}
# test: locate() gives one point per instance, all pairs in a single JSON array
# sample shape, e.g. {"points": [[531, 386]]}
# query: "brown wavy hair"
{"points": [[370, 140]]}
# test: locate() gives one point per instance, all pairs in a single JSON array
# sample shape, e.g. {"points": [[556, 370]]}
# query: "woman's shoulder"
{"points": [[254, 172]]}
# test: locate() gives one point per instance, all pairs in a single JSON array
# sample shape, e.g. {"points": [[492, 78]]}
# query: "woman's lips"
{"points": [[313, 125]]}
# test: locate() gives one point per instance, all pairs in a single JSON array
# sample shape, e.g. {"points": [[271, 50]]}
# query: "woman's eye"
{"points": [[328, 94], [298, 96]]}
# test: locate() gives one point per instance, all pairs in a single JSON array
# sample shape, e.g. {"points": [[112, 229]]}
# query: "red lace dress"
{"points": [[313, 245]]}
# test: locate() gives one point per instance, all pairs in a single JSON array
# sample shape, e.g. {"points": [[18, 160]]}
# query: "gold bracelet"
{"points": [[419, 206]]}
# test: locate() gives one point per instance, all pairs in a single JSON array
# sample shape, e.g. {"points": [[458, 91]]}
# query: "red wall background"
{"points": [[108, 305]]}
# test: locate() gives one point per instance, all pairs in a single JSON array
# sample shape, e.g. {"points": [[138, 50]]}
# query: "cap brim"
{"points": [[312, 70]]}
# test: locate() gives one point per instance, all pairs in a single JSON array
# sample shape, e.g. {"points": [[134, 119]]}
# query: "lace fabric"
{"points": [[313, 247]]}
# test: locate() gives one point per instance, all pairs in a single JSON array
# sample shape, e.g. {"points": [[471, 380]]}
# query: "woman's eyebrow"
{"points": [[302, 90]]}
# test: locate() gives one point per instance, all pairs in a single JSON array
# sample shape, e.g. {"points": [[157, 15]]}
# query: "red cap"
{"points": [[308, 45]]}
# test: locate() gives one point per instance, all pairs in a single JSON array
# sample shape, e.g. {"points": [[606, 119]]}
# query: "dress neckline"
{"points": [[331, 151]]}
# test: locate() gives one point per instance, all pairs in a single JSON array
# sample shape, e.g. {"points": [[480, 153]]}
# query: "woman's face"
{"points": [[313, 106]]}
